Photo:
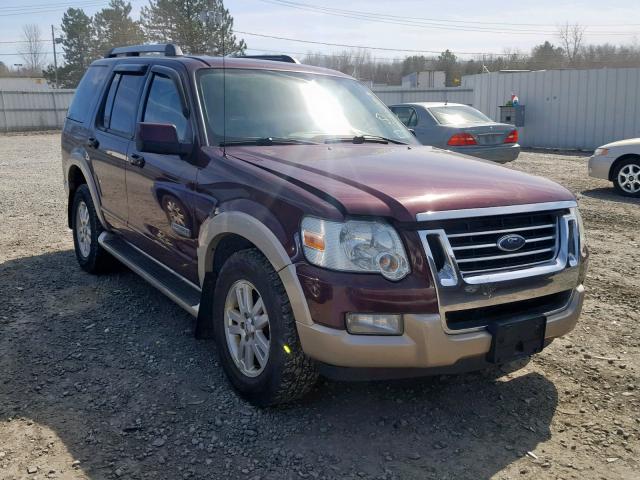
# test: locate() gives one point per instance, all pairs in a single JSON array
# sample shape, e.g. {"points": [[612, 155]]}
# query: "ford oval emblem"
{"points": [[511, 242]]}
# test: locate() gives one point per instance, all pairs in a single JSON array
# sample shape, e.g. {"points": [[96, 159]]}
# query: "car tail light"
{"points": [[461, 139], [512, 137]]}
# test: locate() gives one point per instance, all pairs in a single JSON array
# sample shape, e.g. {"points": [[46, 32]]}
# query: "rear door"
{"points": [[109, 146], [160, 187]]}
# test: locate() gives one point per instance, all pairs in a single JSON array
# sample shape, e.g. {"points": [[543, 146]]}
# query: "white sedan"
{"points": [[618, 162]]}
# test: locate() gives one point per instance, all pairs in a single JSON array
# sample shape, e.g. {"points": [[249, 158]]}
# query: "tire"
{"points": [[86, 230], [287, 373], [626, 177]]}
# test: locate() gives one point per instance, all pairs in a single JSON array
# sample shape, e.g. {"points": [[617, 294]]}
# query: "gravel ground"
{"points": [[101, 377]]}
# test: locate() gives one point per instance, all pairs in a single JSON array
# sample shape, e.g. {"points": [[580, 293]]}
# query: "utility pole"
{"points": [[55, 57]]}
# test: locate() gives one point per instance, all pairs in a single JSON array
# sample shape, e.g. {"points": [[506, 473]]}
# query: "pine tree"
{"points": [[197, 26], [113, 27]]}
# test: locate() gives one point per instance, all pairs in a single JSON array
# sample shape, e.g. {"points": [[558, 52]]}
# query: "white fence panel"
{"points": [[33, 110], [572, 109]]}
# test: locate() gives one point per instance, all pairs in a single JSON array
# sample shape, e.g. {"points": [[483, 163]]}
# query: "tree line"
{"points": [[570, 52]]}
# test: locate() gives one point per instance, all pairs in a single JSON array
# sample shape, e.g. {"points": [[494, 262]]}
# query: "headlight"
{"points": [[600, 152], [355, 246]]}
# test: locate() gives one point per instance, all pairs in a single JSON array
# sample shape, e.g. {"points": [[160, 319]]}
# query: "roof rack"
{"points": [[274, 58], [167, 49]]}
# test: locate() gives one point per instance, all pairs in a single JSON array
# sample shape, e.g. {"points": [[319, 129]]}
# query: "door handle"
{"points": [[93, 142], [136, 160]]}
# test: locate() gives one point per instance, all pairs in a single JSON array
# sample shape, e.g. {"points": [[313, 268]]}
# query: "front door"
{"points": [[160, 187], [109, 146]]}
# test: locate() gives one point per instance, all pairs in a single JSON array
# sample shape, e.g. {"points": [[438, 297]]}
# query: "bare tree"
{"points": [[33, 50], [571, 37]]}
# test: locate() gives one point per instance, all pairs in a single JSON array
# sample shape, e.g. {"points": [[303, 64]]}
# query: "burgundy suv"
{"points": [[292, 213]]}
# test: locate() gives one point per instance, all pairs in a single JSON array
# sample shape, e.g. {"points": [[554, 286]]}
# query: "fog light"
{"points": [[374, 324]]}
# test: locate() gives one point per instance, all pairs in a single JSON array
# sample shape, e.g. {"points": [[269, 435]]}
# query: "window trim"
{"points": [[120, 70], [172, 75], [408, 107]]}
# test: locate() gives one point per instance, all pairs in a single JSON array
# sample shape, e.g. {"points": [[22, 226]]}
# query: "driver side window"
{"points": [[164, 106]]}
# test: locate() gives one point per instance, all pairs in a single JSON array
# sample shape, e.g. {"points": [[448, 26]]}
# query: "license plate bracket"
{"points": [[516, 338]]}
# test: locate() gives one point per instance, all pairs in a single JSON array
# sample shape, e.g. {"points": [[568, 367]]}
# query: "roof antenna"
{"points": [[215, 18]]}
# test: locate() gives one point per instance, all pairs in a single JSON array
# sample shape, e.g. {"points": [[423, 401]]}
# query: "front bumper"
{"points": [[499, 153], [424, 344], [600, 166]]}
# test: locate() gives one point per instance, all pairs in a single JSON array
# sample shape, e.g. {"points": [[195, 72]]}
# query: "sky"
{"points": [[465, 26]]}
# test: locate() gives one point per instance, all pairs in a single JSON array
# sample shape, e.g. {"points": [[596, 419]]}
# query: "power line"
{"points": [[452, 25], [66, 3], [472, 22], [48, 9], [364, 47]]}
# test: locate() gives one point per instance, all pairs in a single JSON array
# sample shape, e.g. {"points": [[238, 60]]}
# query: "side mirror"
{"points": [[160, 138]]}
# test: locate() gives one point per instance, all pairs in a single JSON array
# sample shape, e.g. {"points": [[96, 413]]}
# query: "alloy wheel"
{"points": [[83, 229], [247, 328], [629, 178]]}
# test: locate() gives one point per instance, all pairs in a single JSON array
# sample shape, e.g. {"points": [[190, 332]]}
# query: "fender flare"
{"points": [[74, 161], [216, 227]]}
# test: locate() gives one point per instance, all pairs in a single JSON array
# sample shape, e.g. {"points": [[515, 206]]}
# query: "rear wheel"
{"points": [[255, 332], [626, 177], [86, 230]]}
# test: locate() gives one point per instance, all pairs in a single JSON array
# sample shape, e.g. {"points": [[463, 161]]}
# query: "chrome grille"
{"points": [[474, 241]]}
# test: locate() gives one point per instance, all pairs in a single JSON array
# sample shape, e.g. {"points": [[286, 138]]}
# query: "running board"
{"points": [[174, 286]]}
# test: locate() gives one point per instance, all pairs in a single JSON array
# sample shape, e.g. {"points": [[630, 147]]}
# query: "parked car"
{"points": [[618, 162], [460, 128], [306, 229]]}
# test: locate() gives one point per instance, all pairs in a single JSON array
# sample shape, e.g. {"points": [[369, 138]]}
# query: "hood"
{"points": [[623, 143], [399, 181]]}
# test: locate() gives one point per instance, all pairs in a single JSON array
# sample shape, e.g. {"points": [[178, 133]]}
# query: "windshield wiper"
{"points": [[358, 139], [266, 142]]}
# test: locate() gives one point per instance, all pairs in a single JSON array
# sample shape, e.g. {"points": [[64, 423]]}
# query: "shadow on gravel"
{"points": [[112, 367], [610, 195]]}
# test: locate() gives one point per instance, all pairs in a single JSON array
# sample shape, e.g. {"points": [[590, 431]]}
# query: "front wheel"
{"points": [[626, 177], [255, 332]]}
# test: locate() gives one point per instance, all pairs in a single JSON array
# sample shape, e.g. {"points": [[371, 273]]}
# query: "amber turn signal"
{"points": [[313, 240]]}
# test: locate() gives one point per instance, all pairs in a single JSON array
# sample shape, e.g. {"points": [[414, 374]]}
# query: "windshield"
{"points": [[292, 105], [458, 115]]}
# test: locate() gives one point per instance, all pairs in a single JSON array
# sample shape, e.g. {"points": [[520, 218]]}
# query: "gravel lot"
{"points": [[101, 377]]}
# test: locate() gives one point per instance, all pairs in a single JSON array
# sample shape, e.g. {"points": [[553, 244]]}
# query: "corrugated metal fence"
{"points": [[33, 110], [392, 95], [572, 109]]}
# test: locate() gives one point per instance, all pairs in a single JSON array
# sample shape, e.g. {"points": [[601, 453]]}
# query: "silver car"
{"points": [[460, 128], [618, 162]]}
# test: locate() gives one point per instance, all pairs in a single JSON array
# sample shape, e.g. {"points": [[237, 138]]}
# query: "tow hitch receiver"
{"points": [[516, 338]]}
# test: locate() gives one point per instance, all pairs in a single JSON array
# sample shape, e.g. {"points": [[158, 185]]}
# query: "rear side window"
{"points": [[164, 106], [121, 104], [83, 100], [406, 115]]}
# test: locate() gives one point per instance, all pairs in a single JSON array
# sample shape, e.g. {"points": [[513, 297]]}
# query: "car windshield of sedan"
{"points": [[458, 115], [310, 108]]}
